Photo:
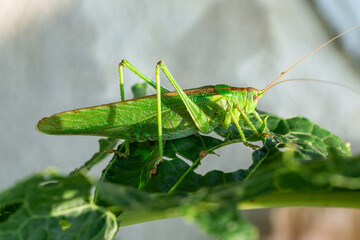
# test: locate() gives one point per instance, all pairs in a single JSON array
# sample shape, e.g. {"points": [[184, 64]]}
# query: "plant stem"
{"points": [[342, 199]]}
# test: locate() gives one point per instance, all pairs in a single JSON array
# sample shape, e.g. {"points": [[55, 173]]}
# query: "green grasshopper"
{"points": [[166, 115]]}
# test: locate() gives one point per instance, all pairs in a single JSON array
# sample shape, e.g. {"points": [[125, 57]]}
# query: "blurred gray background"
{"points": [[61, 55]]}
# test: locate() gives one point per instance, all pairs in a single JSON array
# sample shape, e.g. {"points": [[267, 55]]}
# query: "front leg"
{"points": [[263, 126], [242, 136]]}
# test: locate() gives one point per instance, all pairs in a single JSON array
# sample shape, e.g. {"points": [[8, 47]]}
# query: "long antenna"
{"points": [[302, 59], [313, 80]]}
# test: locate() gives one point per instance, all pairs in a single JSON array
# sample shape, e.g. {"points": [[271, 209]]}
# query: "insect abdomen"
{"points": [[134, 119]]}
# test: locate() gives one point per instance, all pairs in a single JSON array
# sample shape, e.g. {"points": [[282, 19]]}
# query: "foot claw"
{"points": [[153, 171], [203, 153], [119, 154], [122, 155], [253, 146], [267, 135], [109, 150], [264, 135]]}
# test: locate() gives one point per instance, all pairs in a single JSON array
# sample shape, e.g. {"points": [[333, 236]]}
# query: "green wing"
{"points": [[136, 119]]}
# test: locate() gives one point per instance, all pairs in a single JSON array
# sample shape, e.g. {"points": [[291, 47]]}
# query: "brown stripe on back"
{"points": [[232, 88], [210, 89], [193, 91], [257, 90], [237, 89]]}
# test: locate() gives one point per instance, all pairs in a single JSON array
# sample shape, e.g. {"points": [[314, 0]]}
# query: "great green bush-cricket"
{"points": [[166, 115]]}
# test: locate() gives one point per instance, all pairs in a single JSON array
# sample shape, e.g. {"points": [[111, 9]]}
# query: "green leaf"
{"points": [[174, 173], [301, 160], [56, 207], [135, 169], [139, 89], [302, 164], [304, 185]]}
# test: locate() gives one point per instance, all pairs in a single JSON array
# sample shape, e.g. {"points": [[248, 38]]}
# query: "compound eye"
{"points": [[255, 98]]}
